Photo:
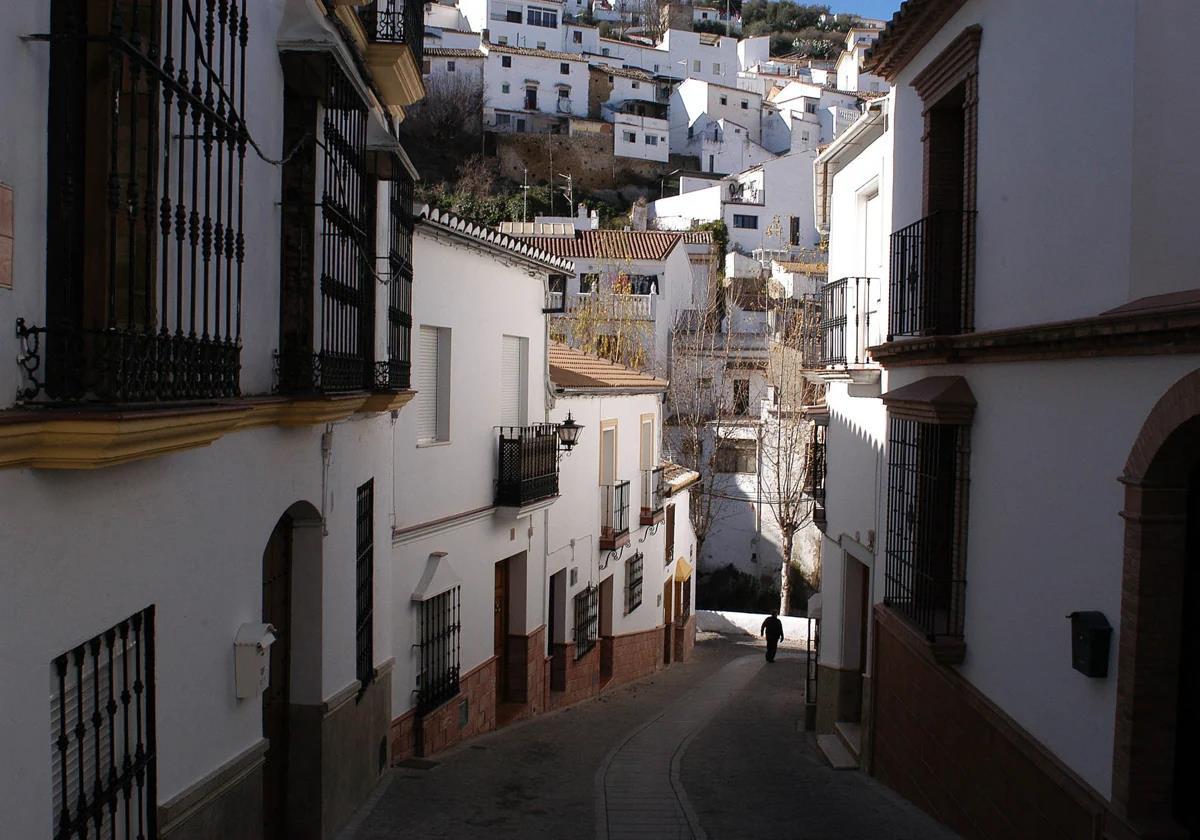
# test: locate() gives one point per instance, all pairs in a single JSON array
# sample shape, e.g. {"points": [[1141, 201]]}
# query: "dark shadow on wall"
{"points": [[735, 591]]}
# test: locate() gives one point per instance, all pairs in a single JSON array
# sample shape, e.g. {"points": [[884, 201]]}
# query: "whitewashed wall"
{"points": [[638, 146], [547, 71]]}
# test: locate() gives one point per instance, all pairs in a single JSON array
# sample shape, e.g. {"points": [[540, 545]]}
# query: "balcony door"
{"points": [[608, 455], [514, 353], [867, 303]]}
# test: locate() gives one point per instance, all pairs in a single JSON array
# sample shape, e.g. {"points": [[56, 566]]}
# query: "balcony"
{"points": [[932, 263], [833, 323], [527, 468], [395, 34], [653, 491], [614, 515], [614, 307]]}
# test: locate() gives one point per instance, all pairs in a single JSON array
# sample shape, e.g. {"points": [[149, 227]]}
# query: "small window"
{"points": [[745, 105], [449, 66], [810, 107], [737, 456], [438, 648], [745, 222], [588, 283], [577, 37], [586, 619], [426, 67], [716, 68], [541, 45], [502, 40], [604, 51], [741, 397], [655, 68], [505, 88], [513, 15], [431, 377], [630, 137], [696, 66], [691, 132], [724, 100], [564, 68], [651, 140], [503, 119], [804, 136], [506, 61], [634, 85]]}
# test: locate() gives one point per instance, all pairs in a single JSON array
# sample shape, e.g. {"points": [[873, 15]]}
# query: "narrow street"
{"points": [[710, 748]]}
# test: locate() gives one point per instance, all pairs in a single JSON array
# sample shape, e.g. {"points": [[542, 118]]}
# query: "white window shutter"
{"points": [[425, 380], [512, 381]]}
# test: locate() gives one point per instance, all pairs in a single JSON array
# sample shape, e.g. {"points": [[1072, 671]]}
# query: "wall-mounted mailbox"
{"points": [[252, 659], [1091, 635]]}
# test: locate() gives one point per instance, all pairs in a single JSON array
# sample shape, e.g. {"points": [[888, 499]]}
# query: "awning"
{"points": [[683, 570]]}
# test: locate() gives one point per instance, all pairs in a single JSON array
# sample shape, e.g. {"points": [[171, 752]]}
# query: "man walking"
{"points": [[772, 628]]}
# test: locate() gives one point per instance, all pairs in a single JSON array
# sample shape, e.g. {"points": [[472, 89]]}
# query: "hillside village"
{"points": [[385, 378]]}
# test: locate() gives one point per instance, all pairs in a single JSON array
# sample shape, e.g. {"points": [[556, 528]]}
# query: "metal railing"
{"points": [[614, 511], [653, 491], [633, 582], [814, 475], [527, 469], [622, 307], [396, 22], [833, 323], [440, 649], [931, 262], [586, 621]]}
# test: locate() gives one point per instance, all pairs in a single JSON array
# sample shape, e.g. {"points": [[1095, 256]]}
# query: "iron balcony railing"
{"points": [[653, 491], [931, 264], [396, 22], [833, 323], [814, 477], [614, 514], [528, 464]]}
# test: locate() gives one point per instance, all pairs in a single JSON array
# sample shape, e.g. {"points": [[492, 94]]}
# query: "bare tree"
{"points": [[608, 320], [451, 110], [789, 458]]}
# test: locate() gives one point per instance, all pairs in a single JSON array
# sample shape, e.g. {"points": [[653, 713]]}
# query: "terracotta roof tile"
{"points": [[697, 237], [804, 268], [678, 477], [571, 368], [610, 244], [495, 239], [529, 51], [452, 52]]}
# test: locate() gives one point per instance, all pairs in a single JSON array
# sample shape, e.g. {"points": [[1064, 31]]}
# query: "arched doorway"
{"points": [[291, 596], [1158, 667]]}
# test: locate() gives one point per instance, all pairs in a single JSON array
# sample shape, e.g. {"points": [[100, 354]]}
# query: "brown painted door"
{"points": [[500, 630], [277, 610], [668, 620], [864, 615]]}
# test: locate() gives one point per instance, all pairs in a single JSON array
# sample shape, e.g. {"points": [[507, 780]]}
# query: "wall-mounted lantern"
{"points": [[1091, 635], [568, 435]]}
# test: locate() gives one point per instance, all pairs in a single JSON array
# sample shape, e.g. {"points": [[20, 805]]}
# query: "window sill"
{"points": [[429, 444], [942, 651], [380, 401]]}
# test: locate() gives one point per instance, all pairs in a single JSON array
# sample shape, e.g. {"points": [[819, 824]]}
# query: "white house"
{"points": [[1027, 575], [765, 207], [814, 112], [197, 488], [631, 284], [447, 28], [695, 104], [849, 63], [453, 65], [533, 25], [533, 90], [644, 138], [461, 546], [620, 549]]}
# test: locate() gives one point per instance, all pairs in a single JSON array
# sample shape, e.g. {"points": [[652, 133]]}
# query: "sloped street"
{"points": [[710, 748]]}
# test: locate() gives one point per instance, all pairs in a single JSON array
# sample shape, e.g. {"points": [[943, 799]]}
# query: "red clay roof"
{"points": [[609, 244], [529, 51], [452, 52], [571, 368]]}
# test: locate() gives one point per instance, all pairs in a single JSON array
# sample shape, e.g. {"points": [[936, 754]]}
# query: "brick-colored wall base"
{"points": [[685, 639], [942, 744], [579, 678], [441, 728], [636, 655]]}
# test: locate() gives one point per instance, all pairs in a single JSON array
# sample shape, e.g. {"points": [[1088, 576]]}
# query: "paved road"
{"points": [[706, 750]]}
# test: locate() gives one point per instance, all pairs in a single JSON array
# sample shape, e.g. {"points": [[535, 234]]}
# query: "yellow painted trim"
{"points": [[683, 569], [313, 411], [349, 18], [389, 401], [396, 74], [79, 442]]}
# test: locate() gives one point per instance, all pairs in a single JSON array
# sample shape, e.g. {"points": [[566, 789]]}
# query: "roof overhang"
{"points": [[909, 30], [935, 399], [846, 147]]}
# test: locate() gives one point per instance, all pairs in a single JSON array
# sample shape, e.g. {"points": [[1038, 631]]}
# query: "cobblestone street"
{"points": [[710, 748]]}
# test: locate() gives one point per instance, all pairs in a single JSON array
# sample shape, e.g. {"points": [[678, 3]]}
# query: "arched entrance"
{"points": [[1158, 667], [290, 569]]}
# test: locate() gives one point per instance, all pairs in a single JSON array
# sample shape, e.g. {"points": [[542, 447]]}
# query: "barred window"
{"points": [[102, 744], [440, 647], [586, 620], [926, 524], [633, 583], [365, 587], [395, 373], [737, 456]]}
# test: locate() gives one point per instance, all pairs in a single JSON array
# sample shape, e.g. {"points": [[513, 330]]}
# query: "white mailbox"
{"points": [[252, 659]]}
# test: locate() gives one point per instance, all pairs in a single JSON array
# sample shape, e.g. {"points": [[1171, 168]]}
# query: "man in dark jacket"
{"points": [[772, 628]]}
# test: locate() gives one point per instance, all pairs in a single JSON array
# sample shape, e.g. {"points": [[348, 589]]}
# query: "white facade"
{"points": [[696, 104], [526, 83], [644, 138], [850, 75], [533, 25], [453, 66]]}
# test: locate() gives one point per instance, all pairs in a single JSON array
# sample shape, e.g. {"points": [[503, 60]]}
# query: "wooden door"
{"points": [[668, 620], [864, 615], [277, 610], [500, 630]]}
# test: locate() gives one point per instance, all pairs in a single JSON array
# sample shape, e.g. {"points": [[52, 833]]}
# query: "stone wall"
{"points": [[588, 158], [636, 655]]}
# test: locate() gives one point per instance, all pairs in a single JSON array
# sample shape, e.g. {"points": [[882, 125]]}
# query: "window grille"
{"points": [[633, 583], [614, 510], [685, 608], [102, 738], [395, 373], [440, 648], [926, 524], [365, 584], [145, 167], [586, 620], [930, 269], [833, 322], [670, 540]]}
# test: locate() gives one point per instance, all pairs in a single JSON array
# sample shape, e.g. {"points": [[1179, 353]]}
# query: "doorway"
{"points": [[1186, 781], [857, 611], [277, 611], [500, 631], [606, 629], [668, 619], [530, 99]]}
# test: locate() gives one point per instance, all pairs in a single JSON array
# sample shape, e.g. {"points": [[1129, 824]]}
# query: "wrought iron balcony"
{"points": [[527, 470], [653, 490], [833, 323], [395, 22], [931, 265], [614, 515]]}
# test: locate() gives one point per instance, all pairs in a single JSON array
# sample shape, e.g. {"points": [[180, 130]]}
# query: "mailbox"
{"points": [[1090, 637], [252, 659]]}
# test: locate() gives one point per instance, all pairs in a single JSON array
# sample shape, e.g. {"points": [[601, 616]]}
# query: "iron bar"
{"points": [[365, 584], [586, 620], [633, 582], [931, 261], [527, 469], [440, 649]]}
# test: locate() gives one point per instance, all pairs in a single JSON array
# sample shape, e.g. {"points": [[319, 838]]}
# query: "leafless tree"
{"points": [[788, 455], [452, 108]]}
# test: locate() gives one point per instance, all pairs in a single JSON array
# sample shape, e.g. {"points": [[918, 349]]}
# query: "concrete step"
{"points": [[851, 735], [835, 752]]}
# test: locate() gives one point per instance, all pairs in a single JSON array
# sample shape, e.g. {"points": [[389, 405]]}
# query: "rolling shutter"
{"points": [[425, 380], [512, 380]]}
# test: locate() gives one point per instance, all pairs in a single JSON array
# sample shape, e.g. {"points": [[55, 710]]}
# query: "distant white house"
{"points": [[536, 25], [768, 206], [450, 63], [850, 75], [813, 114], [533, 90]]}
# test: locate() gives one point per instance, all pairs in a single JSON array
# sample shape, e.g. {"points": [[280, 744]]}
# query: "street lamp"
{"points": [[568, 434]]}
